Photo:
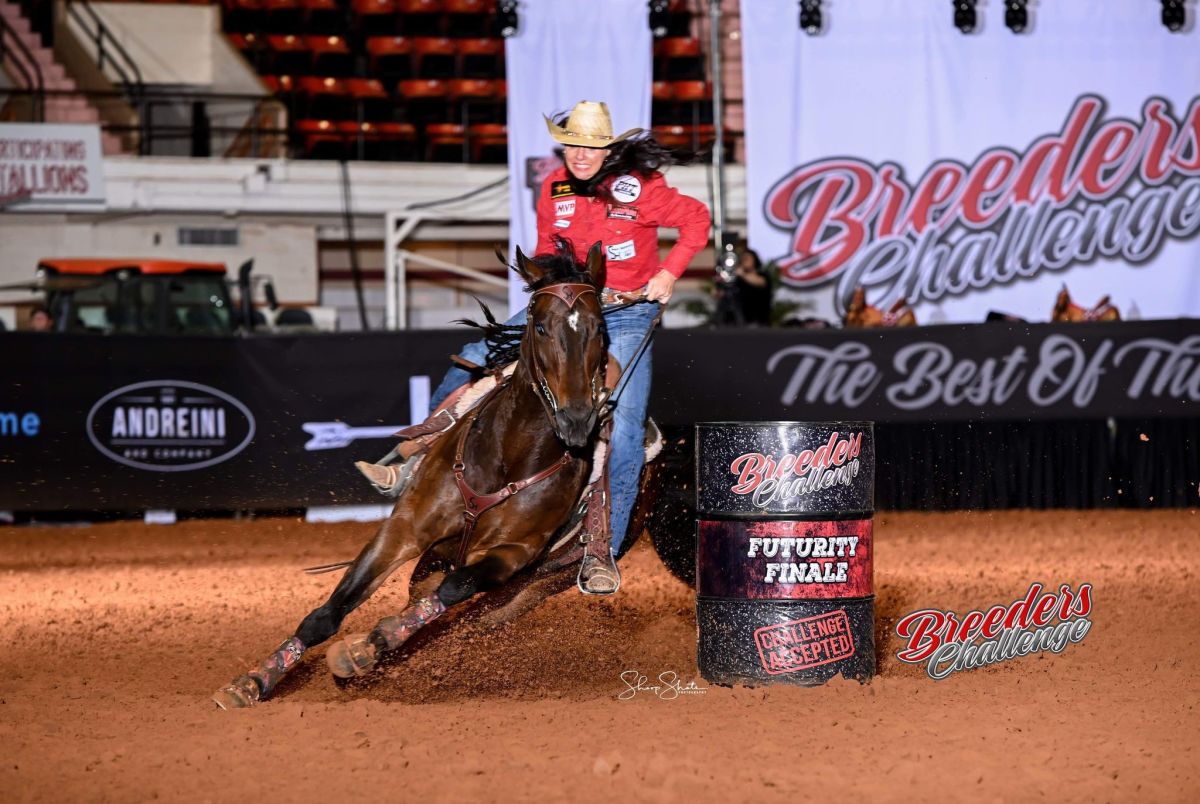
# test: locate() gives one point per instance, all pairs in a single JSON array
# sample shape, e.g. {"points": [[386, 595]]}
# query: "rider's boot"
{"points": [[391, 474], [598, 573]]}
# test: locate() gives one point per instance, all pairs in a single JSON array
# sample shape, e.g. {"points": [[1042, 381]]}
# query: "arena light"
{"points": [[507, 22], [810, 17], [1016, 15], [1174, 15], [964, 15], [660, 20]]}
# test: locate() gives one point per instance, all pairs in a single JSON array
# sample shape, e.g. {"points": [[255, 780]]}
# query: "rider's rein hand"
{"points": [[660, 287]]}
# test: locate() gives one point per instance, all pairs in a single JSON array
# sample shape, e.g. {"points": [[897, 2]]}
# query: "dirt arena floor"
{"points": [[115, 635]]}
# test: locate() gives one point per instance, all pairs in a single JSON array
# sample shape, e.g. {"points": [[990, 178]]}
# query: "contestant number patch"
{"points": [[560, 189], [564, 208], [621, 251], [626, 189]]}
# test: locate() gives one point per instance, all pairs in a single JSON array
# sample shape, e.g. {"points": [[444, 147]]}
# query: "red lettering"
{"points": [[923, 630]]}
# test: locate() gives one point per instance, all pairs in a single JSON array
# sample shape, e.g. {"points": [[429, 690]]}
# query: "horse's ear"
{"points": [[529, 270], [597, 266]]}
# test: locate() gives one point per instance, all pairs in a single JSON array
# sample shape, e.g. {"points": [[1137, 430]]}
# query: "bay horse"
{"points": [[491, 493], [1067, 310]]}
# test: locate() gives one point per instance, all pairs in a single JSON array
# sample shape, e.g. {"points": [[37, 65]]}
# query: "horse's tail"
{"points": [[324, 568]]}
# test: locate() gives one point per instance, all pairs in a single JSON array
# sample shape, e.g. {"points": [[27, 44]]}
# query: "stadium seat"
{"points": [[243, 16], [389, 58], [476, 100], [283, 16], [420, 17], [468, 17], [423, 100], [445, 142], [282, 85], [480, 58], [690, 137], [321, 139], [678, 59], [375, 17], [326, 98], [289, 55], [381, 141], [435, 57], [331, 56], [324, 17], [693, 102], [372, 98], [489, 143]]}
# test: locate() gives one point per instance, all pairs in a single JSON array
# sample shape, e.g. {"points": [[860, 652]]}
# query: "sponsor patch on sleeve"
{"points": [[564, 208], [621, 251], [560, 189]]}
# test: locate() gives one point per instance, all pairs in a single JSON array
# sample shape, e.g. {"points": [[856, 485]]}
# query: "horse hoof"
{"points": [[242, 693], [351, 657]]}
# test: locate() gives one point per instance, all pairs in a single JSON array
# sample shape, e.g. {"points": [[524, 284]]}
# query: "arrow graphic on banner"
{"points": [[338, 435]]}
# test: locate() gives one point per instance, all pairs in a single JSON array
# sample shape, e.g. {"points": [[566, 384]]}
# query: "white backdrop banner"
{"points": [[566, 51], [971, 173]]}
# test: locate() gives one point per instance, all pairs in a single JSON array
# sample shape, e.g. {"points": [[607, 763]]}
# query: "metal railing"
{"points": [[15, 53], [109, 49]]}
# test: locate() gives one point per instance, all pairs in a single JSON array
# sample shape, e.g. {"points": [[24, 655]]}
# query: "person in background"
{"points": [[744, 296], [40, 320]]}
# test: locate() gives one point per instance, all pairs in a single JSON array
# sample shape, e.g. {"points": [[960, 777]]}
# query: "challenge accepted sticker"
{"points": [[800, 644]]}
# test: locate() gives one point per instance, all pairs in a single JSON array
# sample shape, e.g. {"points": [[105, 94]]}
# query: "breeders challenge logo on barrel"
{"points": [[769, 481]]}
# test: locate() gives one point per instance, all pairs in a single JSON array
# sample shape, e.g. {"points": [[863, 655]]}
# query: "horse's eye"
{"points": [[539, 329]]}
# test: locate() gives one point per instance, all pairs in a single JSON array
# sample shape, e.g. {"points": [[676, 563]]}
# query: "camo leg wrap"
{"points": [[392, 632], [285, 657]]}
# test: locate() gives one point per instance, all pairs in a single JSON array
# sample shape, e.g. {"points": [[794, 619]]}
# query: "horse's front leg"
{"points": [[391, 547], [358, 655]]}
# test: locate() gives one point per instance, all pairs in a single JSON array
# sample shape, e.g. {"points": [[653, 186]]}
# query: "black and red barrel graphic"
{"points": [[785, 552]]}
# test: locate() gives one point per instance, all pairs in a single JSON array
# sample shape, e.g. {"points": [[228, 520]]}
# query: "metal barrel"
{"points": [[785, 555]]}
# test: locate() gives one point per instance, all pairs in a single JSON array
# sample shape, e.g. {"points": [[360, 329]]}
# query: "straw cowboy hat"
{"points": [[588, 125]]}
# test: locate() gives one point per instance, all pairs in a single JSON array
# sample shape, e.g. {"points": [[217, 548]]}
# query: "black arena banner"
{"points": [[126, 423]]}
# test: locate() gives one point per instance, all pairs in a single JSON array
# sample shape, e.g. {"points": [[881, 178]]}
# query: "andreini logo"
{"points": [[169, 426]]}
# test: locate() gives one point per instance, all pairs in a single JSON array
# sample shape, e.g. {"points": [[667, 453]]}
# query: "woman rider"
{"points": [[609, 190]]}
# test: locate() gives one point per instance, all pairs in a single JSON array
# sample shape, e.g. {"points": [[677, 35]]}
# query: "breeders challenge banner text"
{"points": [[981, 172]]}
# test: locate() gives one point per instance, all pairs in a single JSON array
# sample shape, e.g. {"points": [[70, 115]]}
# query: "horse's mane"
{"points": [[504, 341]]}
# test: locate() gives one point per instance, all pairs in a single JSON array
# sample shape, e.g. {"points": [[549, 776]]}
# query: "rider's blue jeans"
{"points": [[626, 328]]}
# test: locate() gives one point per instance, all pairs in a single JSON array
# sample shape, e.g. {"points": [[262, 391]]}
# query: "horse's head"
{"points": [[563, 347]]}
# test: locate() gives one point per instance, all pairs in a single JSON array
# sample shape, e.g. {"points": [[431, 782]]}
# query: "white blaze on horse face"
{"points": [[573, 320]]}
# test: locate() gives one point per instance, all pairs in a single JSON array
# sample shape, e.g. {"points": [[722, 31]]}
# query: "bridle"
{"points": [[569, 293]]}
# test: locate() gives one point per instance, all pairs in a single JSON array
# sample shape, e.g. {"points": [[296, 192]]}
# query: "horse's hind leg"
{"points": [[357, 656], [381, 556]]}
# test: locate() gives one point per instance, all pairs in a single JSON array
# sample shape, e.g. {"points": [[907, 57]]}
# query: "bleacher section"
{"points": [[424, 79]]}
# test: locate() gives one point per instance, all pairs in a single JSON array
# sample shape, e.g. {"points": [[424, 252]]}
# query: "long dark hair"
{"points": [[640, 155]]}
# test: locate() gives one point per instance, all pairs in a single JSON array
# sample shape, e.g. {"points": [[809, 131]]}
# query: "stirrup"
{"points": [[598, 578]]}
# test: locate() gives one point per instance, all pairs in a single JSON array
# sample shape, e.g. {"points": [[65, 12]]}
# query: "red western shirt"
{"points": [[627, 225]]}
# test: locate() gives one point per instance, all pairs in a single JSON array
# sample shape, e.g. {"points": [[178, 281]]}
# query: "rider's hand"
{"points": [[660, 287]]}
